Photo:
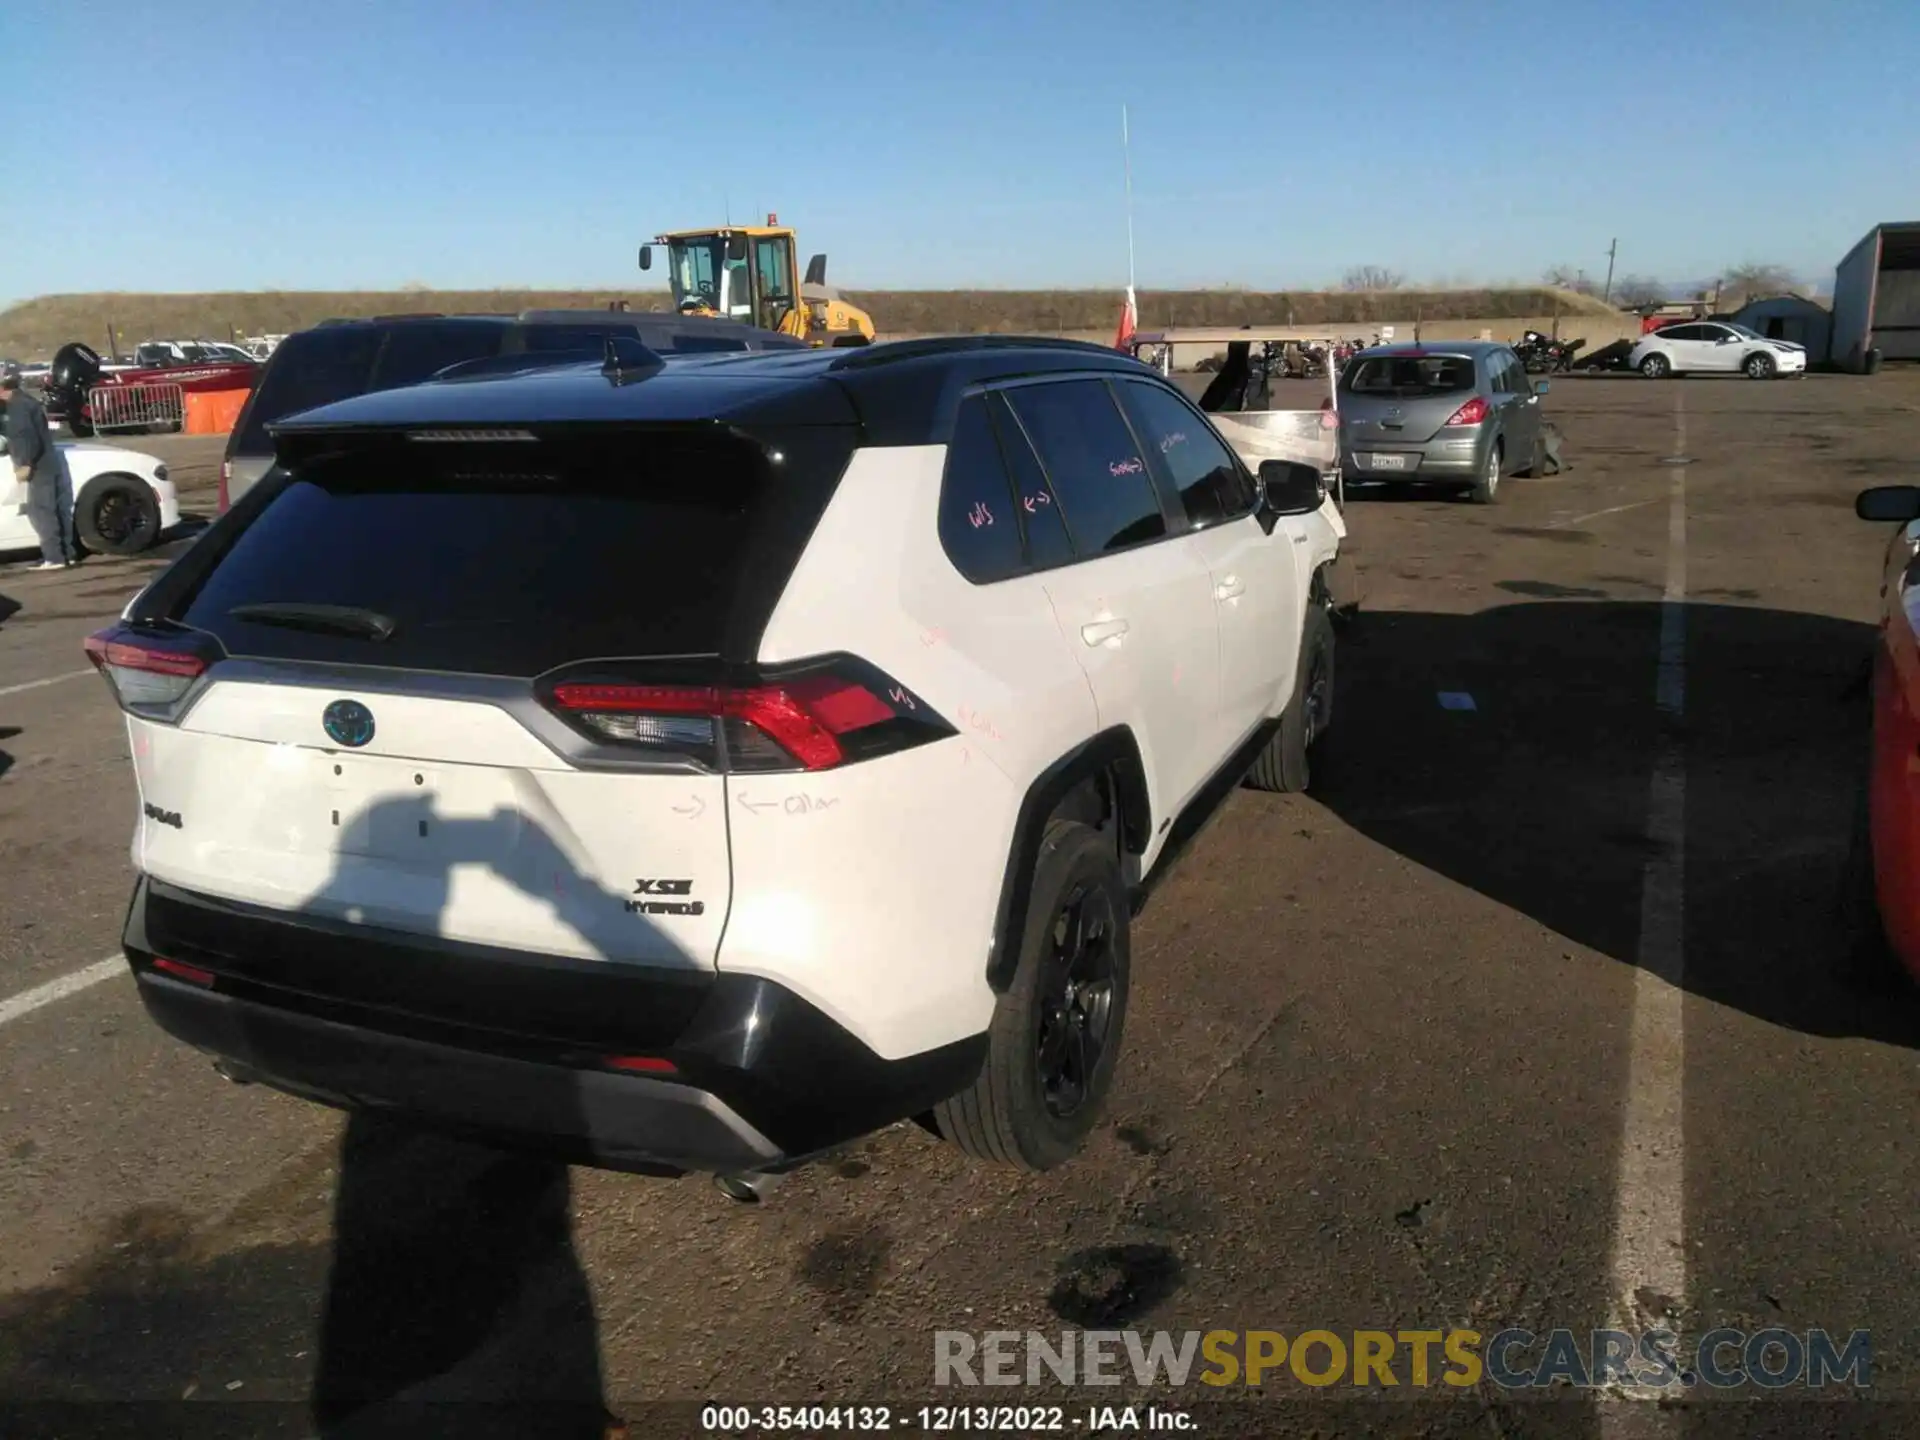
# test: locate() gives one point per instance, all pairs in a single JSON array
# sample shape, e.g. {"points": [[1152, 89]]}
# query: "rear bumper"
{"points": [[627, 1122], [1447, 458], [513, 1049]]}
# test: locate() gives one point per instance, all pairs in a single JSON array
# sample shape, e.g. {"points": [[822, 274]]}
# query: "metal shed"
{"points": [[1793, 318], [1876, 298]]}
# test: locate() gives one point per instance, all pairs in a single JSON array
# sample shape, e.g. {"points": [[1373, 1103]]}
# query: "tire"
{"points": [[1285, 765], [1759, 366], [1487, 488], [1656, 367], [1017, 1112], [117, 515]]}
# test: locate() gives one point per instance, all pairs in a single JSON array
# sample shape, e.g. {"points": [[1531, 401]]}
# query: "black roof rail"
{"points": [[519, 362], [865, 357], [410, 315]]}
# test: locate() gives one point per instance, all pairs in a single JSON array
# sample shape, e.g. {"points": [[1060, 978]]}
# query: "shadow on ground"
{"points": [[1538, 796], [449, 1302]]}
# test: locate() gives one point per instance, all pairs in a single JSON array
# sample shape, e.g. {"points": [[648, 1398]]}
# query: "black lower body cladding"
{"points": [[513, 1048]]}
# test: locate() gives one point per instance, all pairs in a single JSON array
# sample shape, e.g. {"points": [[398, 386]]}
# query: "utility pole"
{"points": [[1607, 294]]}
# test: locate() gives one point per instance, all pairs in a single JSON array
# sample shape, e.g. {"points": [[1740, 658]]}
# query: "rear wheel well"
{"points": [[1101, 784]]}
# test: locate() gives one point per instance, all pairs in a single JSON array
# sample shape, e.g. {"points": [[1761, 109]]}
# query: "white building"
{"points": [[1793, 318]]}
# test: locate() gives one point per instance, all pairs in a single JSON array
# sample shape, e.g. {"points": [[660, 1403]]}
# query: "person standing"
{"points": [[36, 464]]}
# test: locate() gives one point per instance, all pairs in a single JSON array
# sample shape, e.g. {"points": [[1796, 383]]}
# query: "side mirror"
{"points": [[736, 247], [1899, 503], [1540, 387], [1290, 488], [646, 257]]}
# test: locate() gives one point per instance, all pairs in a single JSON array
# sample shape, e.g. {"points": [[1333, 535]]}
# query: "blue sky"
{"points": [[196, 145]]}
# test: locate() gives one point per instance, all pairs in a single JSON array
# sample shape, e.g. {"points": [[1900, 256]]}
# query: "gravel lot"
{"points": [[1383, 1052]]}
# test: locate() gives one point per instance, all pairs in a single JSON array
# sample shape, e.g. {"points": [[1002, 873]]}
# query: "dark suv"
{"points": [[339, 359]]}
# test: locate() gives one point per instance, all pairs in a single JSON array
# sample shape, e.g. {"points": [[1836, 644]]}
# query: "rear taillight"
{"points": [[177, 970], [149, 677], [1329, 417], [1471, 413], [816, 720], [226, 474]]}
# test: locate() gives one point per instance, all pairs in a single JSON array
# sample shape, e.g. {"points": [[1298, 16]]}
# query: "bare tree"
{"points": [[1751, 281], [1372, 277], [1565, 277], [1630, 291]]}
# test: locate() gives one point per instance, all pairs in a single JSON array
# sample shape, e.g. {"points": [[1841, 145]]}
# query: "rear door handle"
{"points": [[1229, 588], [1103, 632]]}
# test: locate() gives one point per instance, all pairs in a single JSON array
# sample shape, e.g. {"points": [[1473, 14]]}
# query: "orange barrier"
{"points": [[213, 412]]}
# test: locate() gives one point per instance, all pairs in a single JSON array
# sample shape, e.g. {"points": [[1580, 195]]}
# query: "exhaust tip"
{"points": [[746, 1189]]}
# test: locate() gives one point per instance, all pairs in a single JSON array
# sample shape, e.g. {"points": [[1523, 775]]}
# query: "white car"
{"points": [[122, 500], [802, 777], [1707, 347]]}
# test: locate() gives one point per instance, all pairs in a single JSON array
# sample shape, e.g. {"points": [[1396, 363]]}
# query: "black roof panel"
{"points": [[904, 393]]}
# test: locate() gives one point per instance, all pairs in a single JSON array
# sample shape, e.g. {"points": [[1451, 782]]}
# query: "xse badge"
{"points": [[665, 907]]}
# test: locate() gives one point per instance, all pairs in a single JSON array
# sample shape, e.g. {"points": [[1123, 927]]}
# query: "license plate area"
{"points": [[1380, 460], [409, 813]]}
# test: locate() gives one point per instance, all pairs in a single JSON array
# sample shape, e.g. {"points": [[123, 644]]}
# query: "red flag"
{"points": [[1129, 322]]}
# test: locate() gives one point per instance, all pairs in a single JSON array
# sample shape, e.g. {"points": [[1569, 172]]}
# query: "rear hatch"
{"points": [[1399, 400], [403, 693]]}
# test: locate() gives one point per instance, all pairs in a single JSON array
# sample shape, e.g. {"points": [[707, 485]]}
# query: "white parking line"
{"points": [[1649, 1263], [28, 1001], [41, 684], [1596, 514]]}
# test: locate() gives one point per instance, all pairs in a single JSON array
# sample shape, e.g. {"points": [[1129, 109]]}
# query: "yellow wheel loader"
{"points": [[746, 273]]}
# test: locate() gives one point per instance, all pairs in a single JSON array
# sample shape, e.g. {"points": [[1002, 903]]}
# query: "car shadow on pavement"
{"points": [[449, 1300], [9, 607], [7, 732], [1538, 795]]}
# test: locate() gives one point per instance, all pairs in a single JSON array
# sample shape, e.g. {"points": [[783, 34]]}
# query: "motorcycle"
{"points": [[1543, 355]]}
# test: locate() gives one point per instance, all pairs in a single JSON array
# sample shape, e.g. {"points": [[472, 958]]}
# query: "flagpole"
{"points": [[1126, 151]]}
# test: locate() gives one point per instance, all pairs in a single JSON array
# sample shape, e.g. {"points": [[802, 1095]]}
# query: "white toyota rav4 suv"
{"points": [[695, 765]]}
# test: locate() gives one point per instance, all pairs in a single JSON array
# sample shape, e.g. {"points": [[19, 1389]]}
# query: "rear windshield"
{"points": [[503, 559], [1407, 376]]}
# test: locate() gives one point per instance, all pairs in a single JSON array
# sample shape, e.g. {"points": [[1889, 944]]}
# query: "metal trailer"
{"points": [[1307, 437], [1876, 299]]}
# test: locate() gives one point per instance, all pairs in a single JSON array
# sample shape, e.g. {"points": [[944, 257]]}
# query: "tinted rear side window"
{"points": [[1046, 532], [417, 351], [510, 564], [979, 528], [312, 368], [1098, 473]]}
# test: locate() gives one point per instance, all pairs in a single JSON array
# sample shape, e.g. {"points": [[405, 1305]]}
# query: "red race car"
{"points": [[1883, 889]]}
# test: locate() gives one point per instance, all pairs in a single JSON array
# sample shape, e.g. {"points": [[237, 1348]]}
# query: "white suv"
{"points": [[695, 765], [1718, 346]]}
